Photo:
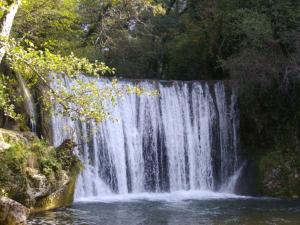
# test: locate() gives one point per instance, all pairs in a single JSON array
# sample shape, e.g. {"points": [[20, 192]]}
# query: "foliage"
{"points": [[6, 104], [45, 35], [279, 172], [13, 163], [51, 24], [49, 165], [159, 38], [66, 156], [190, 44], [40, 67], [121, 33], [3, 7]]}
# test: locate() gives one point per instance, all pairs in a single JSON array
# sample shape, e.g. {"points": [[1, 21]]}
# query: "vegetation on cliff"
{"points": [[34, 173]]}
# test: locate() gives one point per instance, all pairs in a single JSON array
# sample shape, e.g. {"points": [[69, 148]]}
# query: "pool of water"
{"points": [[183, 208]]}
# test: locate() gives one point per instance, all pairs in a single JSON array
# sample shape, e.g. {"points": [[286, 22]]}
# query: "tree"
{"points": [[40, 67], [10, 8], [52, 24]]}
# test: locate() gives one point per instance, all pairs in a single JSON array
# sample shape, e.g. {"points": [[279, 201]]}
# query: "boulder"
{"points": [[12, 212], [35, 174], [62, 197]]}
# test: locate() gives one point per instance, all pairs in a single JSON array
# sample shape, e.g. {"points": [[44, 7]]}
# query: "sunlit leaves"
{"points": [[37, 65], [45, 34], [6, 102], [44, 62], [54, 22], [84, 100]]}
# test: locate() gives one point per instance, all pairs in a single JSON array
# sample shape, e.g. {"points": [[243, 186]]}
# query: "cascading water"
{"points": [[29, 105], [184, 139]]}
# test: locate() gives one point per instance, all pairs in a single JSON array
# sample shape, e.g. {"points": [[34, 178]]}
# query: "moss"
{"points": [[50, 165], [13, 164], [279, 174], [66, 157]]}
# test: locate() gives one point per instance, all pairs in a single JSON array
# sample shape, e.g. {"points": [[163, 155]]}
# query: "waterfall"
{"points": [[231, 183], [29, 103], [184, 139]]}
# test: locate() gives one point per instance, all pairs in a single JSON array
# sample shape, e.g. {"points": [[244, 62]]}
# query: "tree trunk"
{"points": [[6, 23]]}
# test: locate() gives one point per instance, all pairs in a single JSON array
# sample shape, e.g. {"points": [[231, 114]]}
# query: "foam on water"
{"points": [[176, 196]]}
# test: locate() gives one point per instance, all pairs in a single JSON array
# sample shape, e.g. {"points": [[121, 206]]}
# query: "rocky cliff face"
{"points": [[34, 173]]}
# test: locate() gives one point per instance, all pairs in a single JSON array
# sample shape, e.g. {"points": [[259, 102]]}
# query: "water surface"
{"points": [[174, 209]]}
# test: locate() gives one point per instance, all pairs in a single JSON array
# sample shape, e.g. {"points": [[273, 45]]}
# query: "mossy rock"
{"points": [[279, 174], [35, 174], [60, 198]]}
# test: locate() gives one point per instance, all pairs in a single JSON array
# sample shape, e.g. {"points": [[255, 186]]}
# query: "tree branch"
{"points": [[6, 23]]}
